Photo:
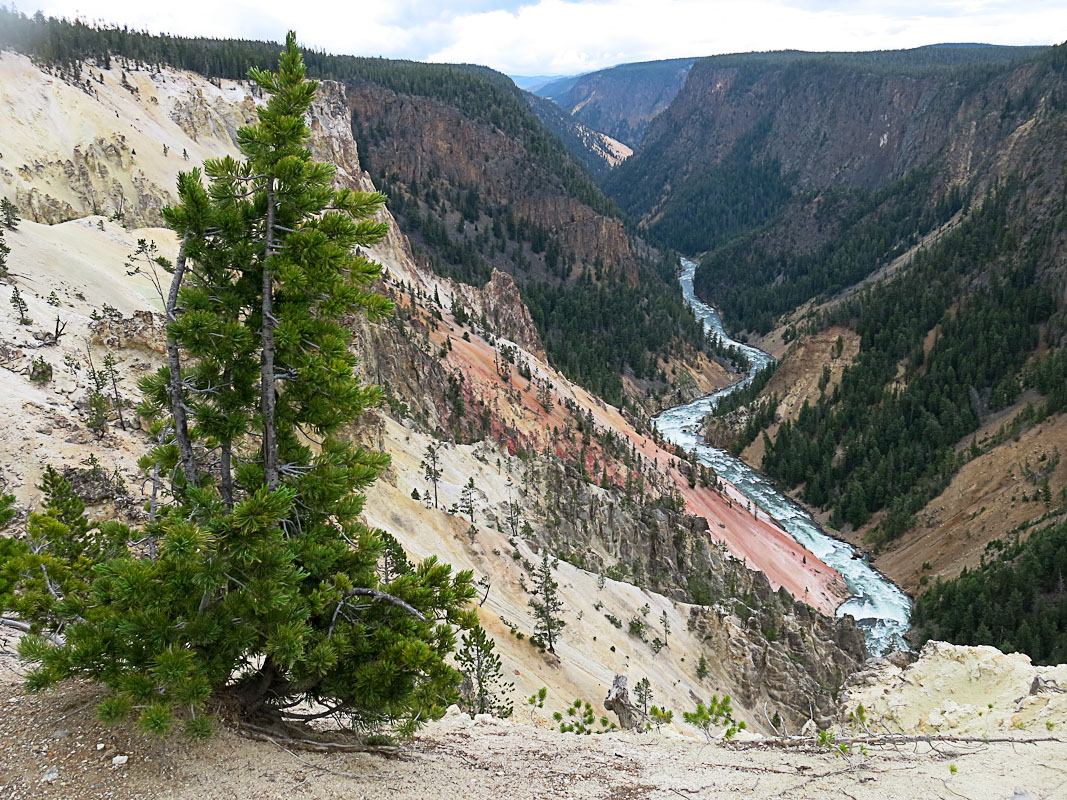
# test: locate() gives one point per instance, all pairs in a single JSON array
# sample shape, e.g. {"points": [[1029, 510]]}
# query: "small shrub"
{"points": [[40, 370], [717, 713]]}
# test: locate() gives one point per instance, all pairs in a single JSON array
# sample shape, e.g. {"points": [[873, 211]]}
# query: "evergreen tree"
{"points": [[512, 511], [546, 603], [431, 468], [258, 583], [466, 499], [9, 549], [643, 694], [21, 309], [483, 687], [5, 251], [9, 214]]}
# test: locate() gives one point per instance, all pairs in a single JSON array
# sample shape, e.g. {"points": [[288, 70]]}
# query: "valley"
{"points": [[374, 419]]}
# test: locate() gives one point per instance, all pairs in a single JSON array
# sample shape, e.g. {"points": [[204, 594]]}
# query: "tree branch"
{"points": [[380, 595], [19, 625]]}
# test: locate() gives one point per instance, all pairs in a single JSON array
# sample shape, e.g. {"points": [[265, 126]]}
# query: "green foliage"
{"points": [[251, 582], [643, 694], [1016, 600], [11, 550], [660, 716], [738, 193], [702, 668], [876, 444], [546, 603], [753, 283], [21, 309], [538, 699], [431, 467], [50, 575], [717, 713], [99, 407], [483, 686], [9, 214], [580, 719], [637, 627], [593, 332], [40, 370]]}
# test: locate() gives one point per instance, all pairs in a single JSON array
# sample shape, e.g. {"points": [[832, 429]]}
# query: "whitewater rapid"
{"points": [[880, 608]]}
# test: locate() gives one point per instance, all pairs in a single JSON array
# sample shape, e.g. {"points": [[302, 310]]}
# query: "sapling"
{"points": [[21, 309]]}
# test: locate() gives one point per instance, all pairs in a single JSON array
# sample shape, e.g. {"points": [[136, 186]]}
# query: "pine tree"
{"points": [[111, 375], [5, 251], [21, 309], [9, 214], [483, 686], [512, 510], [466, 499], [431, 468], [258, 584], [643, 694], [546, 603]]}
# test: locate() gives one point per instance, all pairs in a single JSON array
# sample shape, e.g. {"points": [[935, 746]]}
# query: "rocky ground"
{"points": [[51, 746]]}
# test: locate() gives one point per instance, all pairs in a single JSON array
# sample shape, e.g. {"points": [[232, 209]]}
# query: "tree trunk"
{"points": [[618, 701], [177, 396], [268, 397], [225, 460]]}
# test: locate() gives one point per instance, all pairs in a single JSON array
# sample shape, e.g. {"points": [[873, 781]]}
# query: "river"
{"points": [[880, 608]]}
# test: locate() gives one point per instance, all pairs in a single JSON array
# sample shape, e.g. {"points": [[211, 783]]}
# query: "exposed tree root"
{"points": [[309, 740]]}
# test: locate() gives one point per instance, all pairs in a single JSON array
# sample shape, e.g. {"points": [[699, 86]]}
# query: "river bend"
{"points": [[880, 608]]}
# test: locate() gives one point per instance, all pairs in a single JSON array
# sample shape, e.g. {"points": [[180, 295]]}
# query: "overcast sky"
{"points": [[561, 37]]}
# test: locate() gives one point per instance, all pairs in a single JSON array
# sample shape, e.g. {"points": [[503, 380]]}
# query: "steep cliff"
{"points": [[480, 186], [749, 133], [437, 156], [620, 101]]}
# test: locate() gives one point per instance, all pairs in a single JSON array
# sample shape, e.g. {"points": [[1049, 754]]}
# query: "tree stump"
{"points": [[618, 701]]}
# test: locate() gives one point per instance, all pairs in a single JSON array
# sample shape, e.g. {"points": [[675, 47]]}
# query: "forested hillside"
{"points": [[758, 137], [475, 179], [938, 175], [1016, 600], [622, 100]]}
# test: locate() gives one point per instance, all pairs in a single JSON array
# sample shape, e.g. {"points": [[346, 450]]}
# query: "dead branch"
{"points": [[19, 625], [887, 739], [380, 595]]}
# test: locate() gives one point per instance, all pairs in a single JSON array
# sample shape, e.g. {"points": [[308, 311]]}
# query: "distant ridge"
{"points": [[533, 83]]}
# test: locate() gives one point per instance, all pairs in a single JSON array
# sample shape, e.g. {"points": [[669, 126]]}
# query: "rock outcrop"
{"points": [[959, 691], [501, 305]]}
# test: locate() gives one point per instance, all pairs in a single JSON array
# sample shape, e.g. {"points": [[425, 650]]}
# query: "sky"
{"points": [[566, 37]]}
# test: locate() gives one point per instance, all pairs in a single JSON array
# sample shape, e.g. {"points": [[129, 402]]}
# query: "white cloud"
{"points": [[567, 36]]}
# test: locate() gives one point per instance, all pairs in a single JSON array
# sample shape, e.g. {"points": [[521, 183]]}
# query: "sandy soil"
{"points": [[53, 747]]}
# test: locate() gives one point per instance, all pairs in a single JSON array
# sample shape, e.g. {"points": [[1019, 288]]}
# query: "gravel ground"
{"points": [[52, 746]]}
